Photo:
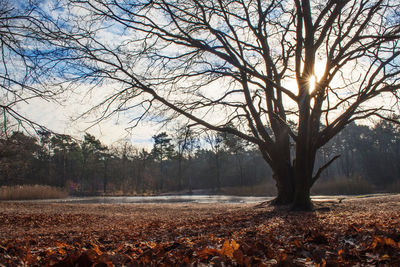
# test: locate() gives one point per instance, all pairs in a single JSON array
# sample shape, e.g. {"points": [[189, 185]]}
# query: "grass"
{"points": [[27, 192]]}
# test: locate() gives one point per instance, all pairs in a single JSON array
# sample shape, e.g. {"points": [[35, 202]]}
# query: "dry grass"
{"points": [[343, 186], [395, 187], [26, 192]]}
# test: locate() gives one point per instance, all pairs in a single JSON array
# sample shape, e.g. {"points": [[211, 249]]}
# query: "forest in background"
{"points": [[183, 161]]}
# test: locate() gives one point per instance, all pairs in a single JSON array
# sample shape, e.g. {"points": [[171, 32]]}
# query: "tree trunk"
{"points": [[189, 176], [293, 185], [303, 174], [285, 184], [180, 173], [240, 165], [63, 182], [302, 199], [283, 171], [142, 175], [105, 178], [218, 186]]}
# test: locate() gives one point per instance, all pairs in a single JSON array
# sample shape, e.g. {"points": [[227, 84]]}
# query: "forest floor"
{"points": [[355, 231]]}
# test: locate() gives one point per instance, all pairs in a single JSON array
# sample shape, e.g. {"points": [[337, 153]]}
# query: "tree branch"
{"points": [[320, 170]]}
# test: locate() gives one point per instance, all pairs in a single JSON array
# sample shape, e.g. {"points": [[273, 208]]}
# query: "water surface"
{"points": [[164, 199], [182, 199]]}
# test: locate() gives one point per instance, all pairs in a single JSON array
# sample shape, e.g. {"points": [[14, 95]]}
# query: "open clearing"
{"points": [[356, 230]]}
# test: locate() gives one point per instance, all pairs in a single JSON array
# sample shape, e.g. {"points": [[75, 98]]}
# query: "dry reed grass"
{"points": [[343, 186], [27, 192]]}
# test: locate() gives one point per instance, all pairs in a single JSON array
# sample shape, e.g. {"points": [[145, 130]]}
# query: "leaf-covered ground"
{"points": [[357, 231]]}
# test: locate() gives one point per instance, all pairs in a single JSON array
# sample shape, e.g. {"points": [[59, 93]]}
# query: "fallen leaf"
{"points": [[228, 248]]}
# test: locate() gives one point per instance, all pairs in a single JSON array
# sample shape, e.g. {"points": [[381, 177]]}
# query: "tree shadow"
{"points": [[292, 236]]}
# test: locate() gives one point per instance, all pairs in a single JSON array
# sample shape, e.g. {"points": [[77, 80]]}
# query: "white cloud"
{"points": [[64, 119]]}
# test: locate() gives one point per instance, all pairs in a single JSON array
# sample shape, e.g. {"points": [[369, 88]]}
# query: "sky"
{"points": [[63, 118], [59, 118]]}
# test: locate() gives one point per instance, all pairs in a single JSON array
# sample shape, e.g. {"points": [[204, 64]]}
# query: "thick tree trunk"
{"points": [[302, 199], [285, 184], [283, 171], [303, 173]]}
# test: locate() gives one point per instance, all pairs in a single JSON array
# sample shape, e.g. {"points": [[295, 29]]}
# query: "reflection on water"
{"points": [[165, 199], [179, 199]]}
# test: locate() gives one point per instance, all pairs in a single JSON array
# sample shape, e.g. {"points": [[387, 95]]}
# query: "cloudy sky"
{"points": [[62, 117], [59, 118]]}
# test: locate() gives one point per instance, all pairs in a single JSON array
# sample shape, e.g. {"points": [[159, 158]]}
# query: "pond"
{"points": [[174, 199], [163, 199]]}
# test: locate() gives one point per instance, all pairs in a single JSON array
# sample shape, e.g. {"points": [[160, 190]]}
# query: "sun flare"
{"points": [[319, 70], [312, 81]]}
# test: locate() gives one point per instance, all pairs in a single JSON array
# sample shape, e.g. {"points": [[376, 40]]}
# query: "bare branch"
{"points": [[320, 170]]}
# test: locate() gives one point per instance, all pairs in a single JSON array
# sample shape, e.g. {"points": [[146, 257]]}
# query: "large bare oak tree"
{"points": [[286, 75]]}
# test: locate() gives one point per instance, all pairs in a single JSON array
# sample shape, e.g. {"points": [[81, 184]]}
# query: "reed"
{"points": [[343, 186]]}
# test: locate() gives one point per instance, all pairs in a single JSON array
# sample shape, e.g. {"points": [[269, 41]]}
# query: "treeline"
{"points": [[369, 155], [183, 161], [180, 162]]}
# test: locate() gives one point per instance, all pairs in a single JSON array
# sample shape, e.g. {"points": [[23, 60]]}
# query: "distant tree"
{"points": [[380, 154], [105, 158], [64, 150], [132, 166], [45, 154], [162, 151], [141, 164], [349, 144], [184, 144], [17, 159], [192, 144], [236, 146], [93, 152], [162, 147], [124, 151], [180, 140], [215, 141]]}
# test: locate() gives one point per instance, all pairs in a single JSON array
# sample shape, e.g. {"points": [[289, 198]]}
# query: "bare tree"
{"points": [[185, 141], [215, 140], [252, 64]]}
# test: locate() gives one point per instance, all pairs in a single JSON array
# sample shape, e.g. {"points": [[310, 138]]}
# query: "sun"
{"points": [[312, 82], [319, 70]]}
